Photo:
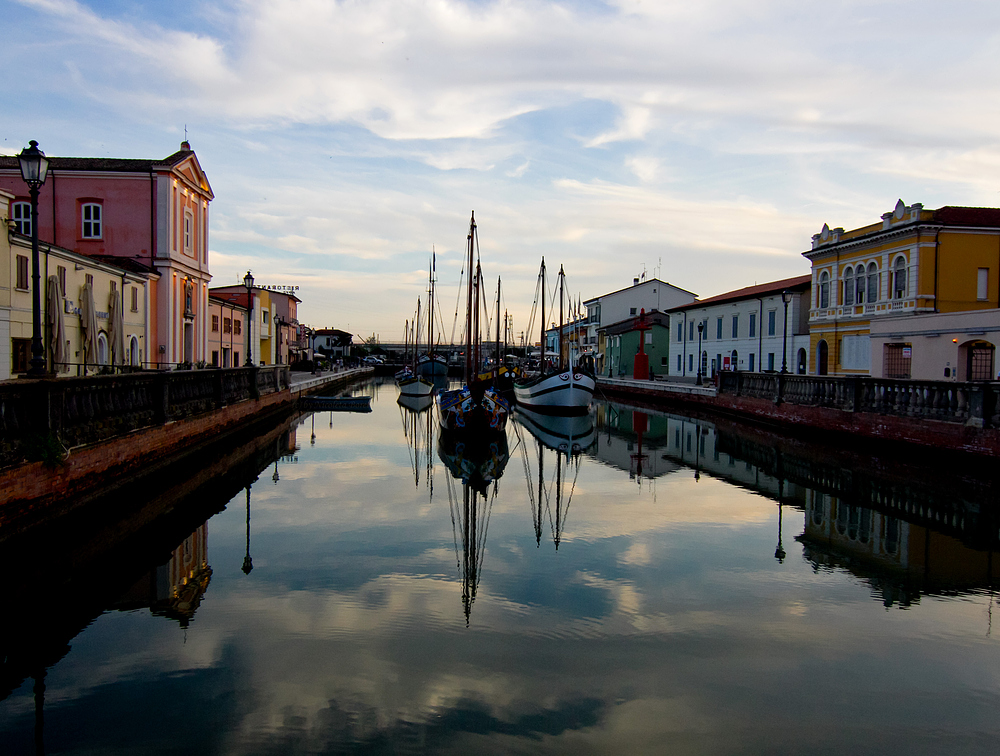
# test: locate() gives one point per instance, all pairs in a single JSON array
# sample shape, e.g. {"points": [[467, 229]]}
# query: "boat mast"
{"points": [[468, 309], [416, 337], [541, 353], [430, 311], [496, 354], [477, 366], [562, 280]]}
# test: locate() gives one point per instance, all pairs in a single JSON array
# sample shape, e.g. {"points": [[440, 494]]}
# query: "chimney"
{"points": [[635, 281]]}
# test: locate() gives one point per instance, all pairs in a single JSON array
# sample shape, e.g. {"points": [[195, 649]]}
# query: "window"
{"points": [[680, 332], [236, 359], [215, 324], [770, 360], [631, 311], [188, 223], [753, 325], [22, 272], [91, 221], [61, 273], [663, 362], [263, 317], [691, 331], [22, 217], [873, 286], [771, 319], [849, 286], [824, 290], [135, 299], [648, 337], [20, 354], [718, 328], [983, 284], [899, 279], [690, 363], [215, 357], [855, 352], [896, 360], [102, 348], [227, 325], [734, 360], [751, 363], [859, 284], [736, 326], [237, 327], [679, 368]]}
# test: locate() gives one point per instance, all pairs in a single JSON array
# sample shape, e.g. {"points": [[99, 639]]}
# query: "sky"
{"points": [[702, 142]]}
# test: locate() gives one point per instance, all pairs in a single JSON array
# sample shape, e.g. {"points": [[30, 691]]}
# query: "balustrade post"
{"points": [[977, 406], [779, 387], [162, 397], [219, 390], [254, 388]]}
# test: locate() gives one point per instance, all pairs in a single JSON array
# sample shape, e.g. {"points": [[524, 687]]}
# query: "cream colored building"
{"points": [[71, 272]]}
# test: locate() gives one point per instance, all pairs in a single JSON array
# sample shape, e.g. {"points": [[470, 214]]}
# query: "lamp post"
{"points": [[248, 282], [701, 328], [34, 168], [786, 297]]}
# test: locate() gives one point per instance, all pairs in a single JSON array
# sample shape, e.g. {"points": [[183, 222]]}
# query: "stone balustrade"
{"points": [[973, 404], [77, 411]]}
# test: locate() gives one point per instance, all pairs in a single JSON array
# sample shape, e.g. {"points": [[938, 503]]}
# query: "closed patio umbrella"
{"points": [[116, 330], [56, 325], [88, 322]]}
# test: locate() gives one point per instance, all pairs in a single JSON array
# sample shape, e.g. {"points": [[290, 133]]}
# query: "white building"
{"points": [[743, 330], [652, 294]]}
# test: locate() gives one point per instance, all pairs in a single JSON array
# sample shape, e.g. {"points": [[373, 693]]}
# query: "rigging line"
{"points": [[451, 510], [458, 301], [527, 474]]}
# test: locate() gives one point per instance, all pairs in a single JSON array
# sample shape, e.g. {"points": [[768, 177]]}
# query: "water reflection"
{"points": [[706, 609]]}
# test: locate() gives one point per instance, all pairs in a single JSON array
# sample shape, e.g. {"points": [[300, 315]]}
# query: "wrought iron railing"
{"points": [[72, 411]]}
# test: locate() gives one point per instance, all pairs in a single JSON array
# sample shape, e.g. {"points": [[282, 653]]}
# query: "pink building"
{"points": [[154, 212], [227, 335]]}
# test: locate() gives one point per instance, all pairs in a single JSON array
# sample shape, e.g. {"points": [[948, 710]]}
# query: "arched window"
{"points": [[133, 351], [859, 281], [734, 361], [849, 286], [899, 279], [801, 368], [822, 353], [824, 289], [873, 286], [102, 348]]}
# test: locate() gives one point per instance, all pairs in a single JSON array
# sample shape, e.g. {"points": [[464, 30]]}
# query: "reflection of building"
{"points": [[620, 445], [899, 559], [175, 588], [912, 262]]}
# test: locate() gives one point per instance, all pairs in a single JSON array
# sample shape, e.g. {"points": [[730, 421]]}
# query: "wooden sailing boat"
{"points": [[477, 406], [431, 364], [566, 391], [413, 384]]}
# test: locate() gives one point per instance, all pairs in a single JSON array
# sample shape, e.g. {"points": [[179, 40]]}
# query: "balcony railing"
{"points": [[74, 411], [968, 403]]}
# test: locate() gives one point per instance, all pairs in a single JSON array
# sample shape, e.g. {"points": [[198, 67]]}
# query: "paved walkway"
{"points": [[302, 381], [660, 387]]}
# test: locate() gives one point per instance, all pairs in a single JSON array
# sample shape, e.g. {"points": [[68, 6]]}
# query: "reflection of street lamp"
{"points": [[275, 477], [247, 562], [312, 438], [697, 451], [779, 553], [34, 168], [248, 282], [786, 297], [701, 327]]}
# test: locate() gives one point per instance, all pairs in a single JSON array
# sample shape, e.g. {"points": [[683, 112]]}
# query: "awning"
{"points": [[88, 322], [56, 325]]}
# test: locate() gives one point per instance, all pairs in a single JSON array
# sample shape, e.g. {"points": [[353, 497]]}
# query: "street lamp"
{"points": [[34, 168], [701, 328], [786, 297], [248, 282]]}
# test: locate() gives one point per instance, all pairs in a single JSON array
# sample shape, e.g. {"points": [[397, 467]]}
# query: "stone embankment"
{"points": [[946, 415], [63, 438]]}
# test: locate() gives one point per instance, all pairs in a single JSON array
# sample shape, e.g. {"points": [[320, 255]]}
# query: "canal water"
{"points": [[630, 582]]}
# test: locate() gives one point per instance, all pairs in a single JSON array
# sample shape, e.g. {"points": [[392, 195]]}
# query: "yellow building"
{"points": [[914, 262]]}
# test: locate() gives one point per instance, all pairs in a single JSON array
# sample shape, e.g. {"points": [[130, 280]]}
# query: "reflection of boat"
{"points": [[477, 406], [416, 403], [566, 391], [478, 460], [410, 382], [557, 434], [565, 433]]}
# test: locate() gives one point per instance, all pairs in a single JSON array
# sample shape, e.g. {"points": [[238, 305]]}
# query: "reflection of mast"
{"points": [[473, 523]]}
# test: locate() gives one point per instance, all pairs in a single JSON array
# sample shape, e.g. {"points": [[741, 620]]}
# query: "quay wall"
{"points": [[99, 465], [947, 416]]}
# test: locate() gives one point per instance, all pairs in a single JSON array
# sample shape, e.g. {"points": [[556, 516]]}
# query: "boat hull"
{"points": [[432, 366], [569, 434], [566, 393], [463, 409], [415, 386]]}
